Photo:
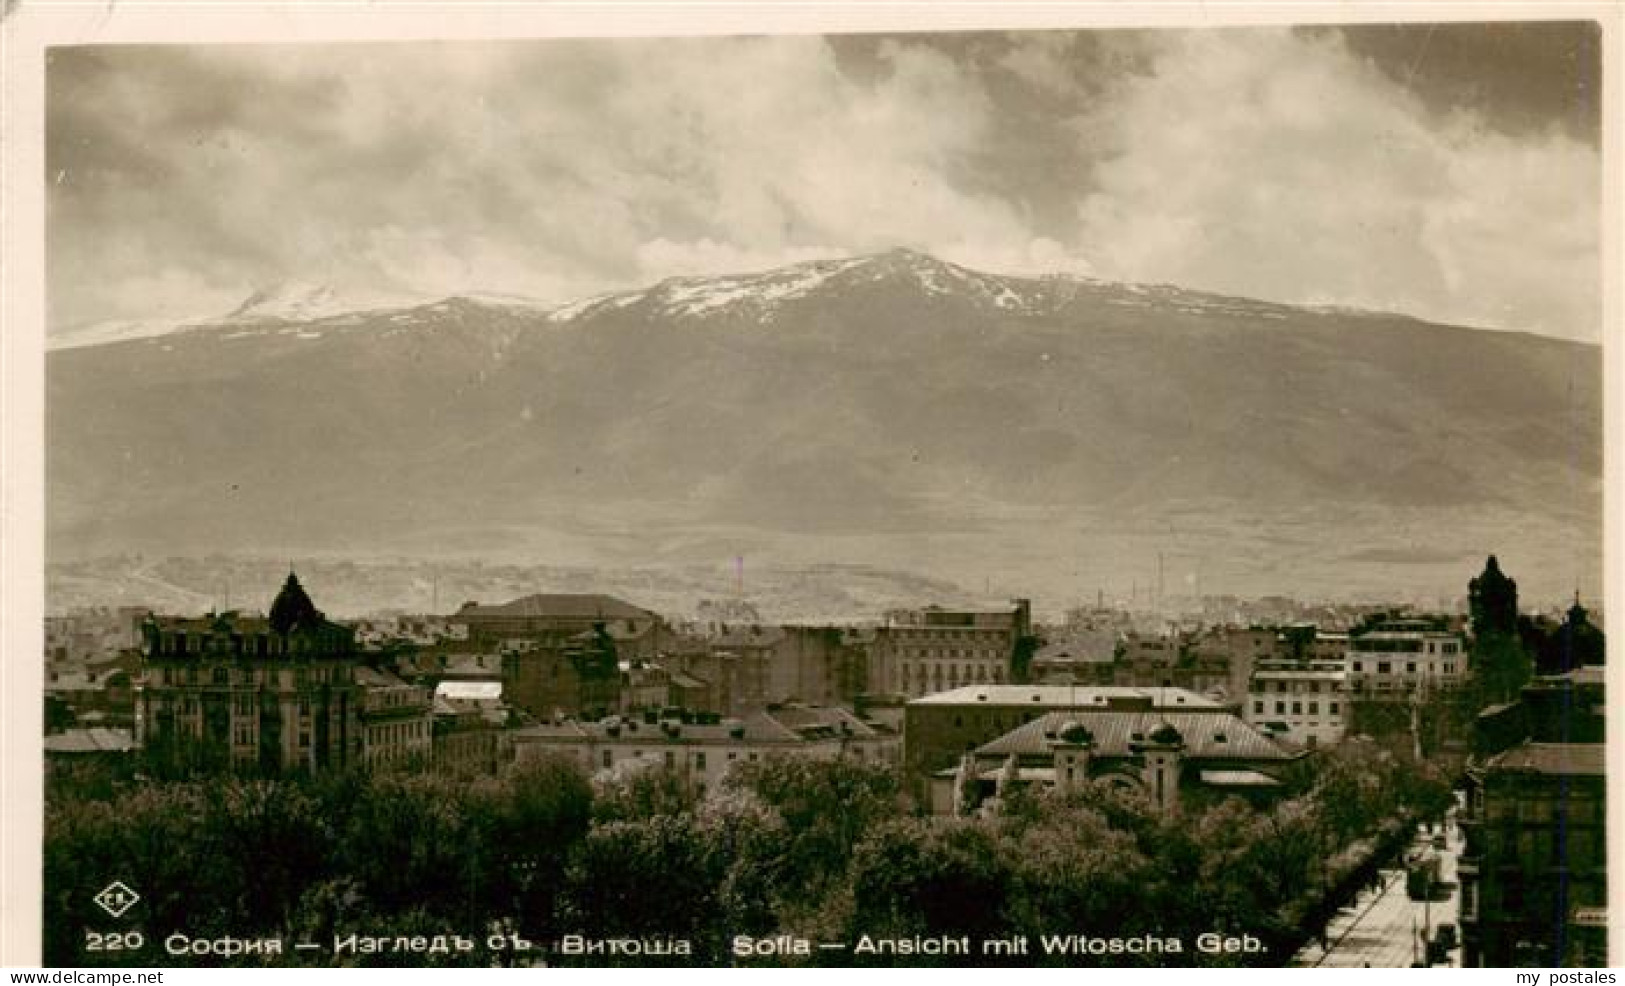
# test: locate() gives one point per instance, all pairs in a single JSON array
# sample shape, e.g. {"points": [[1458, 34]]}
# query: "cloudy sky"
{"points": [[1451, 172]]}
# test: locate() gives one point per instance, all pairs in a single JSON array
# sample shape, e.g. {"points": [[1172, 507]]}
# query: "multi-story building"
{"points": [[1173, 757], [397, 723], [1534, 881], [705, 751], [262, 694], [1215, 662], [470, 729], [920, 652], [544, 677], [638, 632], [1395, 659], [1304, 703], [939, 728], [1201, 664]]}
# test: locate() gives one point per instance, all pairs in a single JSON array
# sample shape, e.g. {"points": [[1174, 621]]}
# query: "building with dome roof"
{"points": [[1171, 756], [258, 694]]}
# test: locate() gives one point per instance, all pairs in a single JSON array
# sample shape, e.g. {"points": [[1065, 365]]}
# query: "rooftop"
{"points": [[789, 725], [473, 691], [560, 605], [1068, 696], [1558, 759], [377, 678], [1205, 735], [94, 740]]}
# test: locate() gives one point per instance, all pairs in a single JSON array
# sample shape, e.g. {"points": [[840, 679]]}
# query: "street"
{"points": [[1384, 928]]}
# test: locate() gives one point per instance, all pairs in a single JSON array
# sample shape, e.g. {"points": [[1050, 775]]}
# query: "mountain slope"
{"points": [[892, 404]]}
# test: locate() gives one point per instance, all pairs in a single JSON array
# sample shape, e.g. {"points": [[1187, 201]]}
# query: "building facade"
{"points": [[921, 652], [1396, 659], [397, 721], [264, 695], [705, 752], [1174, 758], [1303, 703], [1534, 881], [938, 729]]}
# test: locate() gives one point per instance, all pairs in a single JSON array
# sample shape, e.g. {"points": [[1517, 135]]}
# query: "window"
{"points": [[609, 758], [1297, 708], [1358, 666], [1258, 708], [699, 761], [1410, 667], [1280, 708], [1385, 667], [1314, 708]]}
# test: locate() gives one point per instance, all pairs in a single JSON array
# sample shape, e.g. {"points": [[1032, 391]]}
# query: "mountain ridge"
{"points": [[888, 406], [304, 302]]}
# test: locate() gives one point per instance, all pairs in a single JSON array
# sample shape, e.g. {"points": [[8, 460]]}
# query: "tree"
{"points": [[826, 806], [929, 877], [653, 878]]}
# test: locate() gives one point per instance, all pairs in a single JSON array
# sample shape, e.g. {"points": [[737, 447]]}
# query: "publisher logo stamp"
{"points": [[116, 898]]}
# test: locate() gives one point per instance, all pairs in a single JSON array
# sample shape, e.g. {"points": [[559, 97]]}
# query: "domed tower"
{"points": [[1163, 751], [1072, 748], [293, 610]]}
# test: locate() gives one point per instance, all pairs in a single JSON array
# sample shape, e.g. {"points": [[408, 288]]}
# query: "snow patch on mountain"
{"points": [[700, 296], [297, 301]]}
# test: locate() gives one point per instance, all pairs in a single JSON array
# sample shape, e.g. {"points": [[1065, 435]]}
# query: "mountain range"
{"points": [[1048, 436]]}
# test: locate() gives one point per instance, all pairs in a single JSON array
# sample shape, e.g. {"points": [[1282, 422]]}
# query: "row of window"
{"points": [[1297, 708], [1387, 667], [946, 635], [947, 653], [394, 733], [1405, 647], [954, 676], [222, 676], [1300, 686]]}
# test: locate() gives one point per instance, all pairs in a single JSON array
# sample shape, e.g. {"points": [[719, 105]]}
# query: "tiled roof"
{"points": [[1565, 759], [1114, 732], [567, 605], [757, 728], [1066, 696], [803, 719], [375, 678]]}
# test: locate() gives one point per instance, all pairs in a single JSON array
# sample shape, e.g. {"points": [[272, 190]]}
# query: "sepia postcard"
{"points": [[809, 485]]}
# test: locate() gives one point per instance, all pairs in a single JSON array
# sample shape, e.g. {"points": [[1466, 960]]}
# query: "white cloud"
{"points": [[1256, 162], [1274, 164]]}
